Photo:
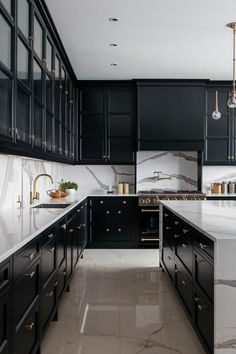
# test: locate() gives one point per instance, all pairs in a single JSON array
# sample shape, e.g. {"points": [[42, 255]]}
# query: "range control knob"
{"points": [[147, 201], [155, 200], [141, 200]]}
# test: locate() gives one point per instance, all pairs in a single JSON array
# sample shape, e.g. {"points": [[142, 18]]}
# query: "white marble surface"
{"points": [[215, 218], [121, 303], [222, 195], [181, 166], [19, 226]]}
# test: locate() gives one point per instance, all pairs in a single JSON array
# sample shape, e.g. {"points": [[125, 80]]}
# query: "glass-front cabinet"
{"points": [[36, 99]]}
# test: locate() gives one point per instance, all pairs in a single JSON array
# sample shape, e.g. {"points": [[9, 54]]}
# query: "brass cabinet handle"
{"points": [[201, 307], [78, 211], [30, 256], [168, 228], [51, 250], [107, 230], [150, 210], [30, 326], [177, 222], [30, 275], [149, 239], [183, 282], [184, 245], [71, 230], [50, 294], [202, 246], [64, 226], [119, 212], [108, 212], [176, 236], [119, 229], [50, 236], [185, 231]]}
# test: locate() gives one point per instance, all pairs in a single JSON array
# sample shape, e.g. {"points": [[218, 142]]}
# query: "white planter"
{"points": [[71, 191]]}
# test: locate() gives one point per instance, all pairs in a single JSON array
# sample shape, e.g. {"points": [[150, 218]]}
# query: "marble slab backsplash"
{"points": [[182, 167], [212, 174], [17, 175]]}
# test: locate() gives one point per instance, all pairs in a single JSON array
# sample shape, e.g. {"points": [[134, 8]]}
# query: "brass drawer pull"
{"points": [[30, 275], [108, 212], [201, 307], [168, 228], [64, 226], [51, 250], [183, 282], [202, 246], [150, 210], [184, 245], [30, 326], [71, 230], [177, 222], [30, 256], [176, 236], [107, 230], [185, 231], [119, 212], [50, 294], [50, 236]]}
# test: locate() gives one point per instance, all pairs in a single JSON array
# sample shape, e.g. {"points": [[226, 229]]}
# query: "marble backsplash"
{"points": [[182, 167], [17, 175], [212, 174]]}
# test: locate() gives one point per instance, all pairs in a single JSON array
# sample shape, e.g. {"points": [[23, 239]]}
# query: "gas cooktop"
{"points": [[152, 197], [161, 191]]}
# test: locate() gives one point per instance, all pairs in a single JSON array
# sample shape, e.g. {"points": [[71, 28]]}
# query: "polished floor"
{"points": [[121, 303]]}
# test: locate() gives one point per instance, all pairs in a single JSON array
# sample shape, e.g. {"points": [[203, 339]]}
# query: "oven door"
{"points": [[149, 226]]}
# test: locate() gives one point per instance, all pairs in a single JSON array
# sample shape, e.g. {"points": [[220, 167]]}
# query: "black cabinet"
{"points": [[171, 114], [5, 322], [112, 222], [107, 125], [188, 257], [220, 134]]}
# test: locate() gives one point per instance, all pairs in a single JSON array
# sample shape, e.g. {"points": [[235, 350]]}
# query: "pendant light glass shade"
{"points": [[216, 114], [232, 98]]}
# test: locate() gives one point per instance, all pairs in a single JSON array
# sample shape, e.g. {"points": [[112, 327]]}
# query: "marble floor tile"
{"points": [[120, 302]]}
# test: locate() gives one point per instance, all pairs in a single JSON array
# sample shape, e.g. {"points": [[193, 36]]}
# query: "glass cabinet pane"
{"points": [[38, 124], [22, 115], [57, 136], [23, 17], [49, 92], [38, 81], [63, 78], [49, 49], [57, 69], [7, 5], [38, 38], [22, 63], [49, 132], [5, 104], [5, 42]]}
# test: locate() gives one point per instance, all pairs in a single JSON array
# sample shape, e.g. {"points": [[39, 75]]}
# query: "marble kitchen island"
{"points": [[216, 221]]}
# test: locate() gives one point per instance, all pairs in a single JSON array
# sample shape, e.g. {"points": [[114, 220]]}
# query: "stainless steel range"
{"points": [[149, 212]]}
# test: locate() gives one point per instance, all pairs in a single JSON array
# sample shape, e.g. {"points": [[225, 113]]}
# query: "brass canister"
{"points": [[216, 188]]}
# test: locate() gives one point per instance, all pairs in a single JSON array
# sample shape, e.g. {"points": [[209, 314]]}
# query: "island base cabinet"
{"points": [[5, 323], [204, 319], [61, 280], [204, 275], [27, 339], [169, 262], [48, 303], [184, 287]]}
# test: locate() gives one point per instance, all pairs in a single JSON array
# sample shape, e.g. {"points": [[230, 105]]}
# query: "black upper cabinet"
{"points": [[23, 17], [107, 123], [6, 43], [220, 134], [171, 114], [6, 105]]}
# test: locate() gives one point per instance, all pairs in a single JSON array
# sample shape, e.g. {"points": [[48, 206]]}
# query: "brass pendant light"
{"points": [[216, 114], [232, 98]]}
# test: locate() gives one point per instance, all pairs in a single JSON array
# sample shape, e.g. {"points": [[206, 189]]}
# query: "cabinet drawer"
{"points": [[204, 243], [48, 303], [114, 202], [48, 236], [25, 292], [112, 233], [204, 319], [27, 340], [184, 252], [26, 256], [204, 274], [48, 261], [5, 275], [169, 261], [61, 279], [5, 322], [184, 287], [111, 216]]}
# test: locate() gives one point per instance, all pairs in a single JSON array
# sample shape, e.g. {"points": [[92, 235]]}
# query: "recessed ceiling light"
{"points": [[113, 19], [113, 44], [113, 64]]}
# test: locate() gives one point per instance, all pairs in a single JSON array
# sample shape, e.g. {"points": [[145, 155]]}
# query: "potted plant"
{"points": [[69, 187]]}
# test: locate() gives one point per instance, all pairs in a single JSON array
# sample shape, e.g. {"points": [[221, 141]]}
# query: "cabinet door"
{"points": [[23, 115], [8, 5], [120, 150], [49, 261], [38, 37], [5, 316], [92, 150], [61, 242], [5, 43], [6, 105], [22, 62]]}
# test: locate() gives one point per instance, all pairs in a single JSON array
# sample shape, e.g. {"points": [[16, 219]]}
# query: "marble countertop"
{"points": [[20, 226], [216, 218], [221, 195]]}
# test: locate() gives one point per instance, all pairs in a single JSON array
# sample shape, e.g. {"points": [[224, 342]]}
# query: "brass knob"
{"points": [[50, 236], [119, 211], [124, 202], [176, 236], [107, 230], [166, 215], [71, 230], [50, 294], [51, 250], [30, 326], [168, 228], [119, 229], [202, 246], [183, 282], [30, 275], [101, 202], [30, 256], [201, 307], [184, 245], [185, 231], [64, 226], [176, 222], [108, 212]]}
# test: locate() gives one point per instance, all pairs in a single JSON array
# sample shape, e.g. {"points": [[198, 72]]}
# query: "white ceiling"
{"points": [[156, 38]]}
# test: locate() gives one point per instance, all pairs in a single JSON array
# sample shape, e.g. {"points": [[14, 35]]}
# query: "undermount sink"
{"points": [[51, 206]]}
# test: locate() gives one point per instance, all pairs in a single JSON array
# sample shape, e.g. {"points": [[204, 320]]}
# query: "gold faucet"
{"points": [[35, 195]]}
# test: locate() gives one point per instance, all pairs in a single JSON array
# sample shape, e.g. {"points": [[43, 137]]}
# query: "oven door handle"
{"points": [[149, 210], [149, 239]]}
